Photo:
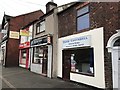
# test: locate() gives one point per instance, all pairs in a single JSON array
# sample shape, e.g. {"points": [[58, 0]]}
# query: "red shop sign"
{"points": [[24, 45]]}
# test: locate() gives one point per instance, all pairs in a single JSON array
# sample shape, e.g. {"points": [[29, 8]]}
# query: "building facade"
{"points": [[83, 43], [24, 46], [44, 43], [12, 26]]}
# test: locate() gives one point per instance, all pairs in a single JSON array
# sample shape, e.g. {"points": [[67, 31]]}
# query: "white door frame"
{"points": [[114, 50], [115, 66]]}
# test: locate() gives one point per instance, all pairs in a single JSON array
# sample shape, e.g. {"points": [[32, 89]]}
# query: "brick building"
{"points": [[10, 39], [84, 40]]}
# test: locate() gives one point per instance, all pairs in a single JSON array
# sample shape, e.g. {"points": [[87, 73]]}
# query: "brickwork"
{"points": [[67, 23], [15, 24], [105, 15], [102, 14]]}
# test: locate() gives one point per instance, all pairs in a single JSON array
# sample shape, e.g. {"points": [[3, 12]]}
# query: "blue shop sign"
{"points": [[46, 40], [77, 42]]}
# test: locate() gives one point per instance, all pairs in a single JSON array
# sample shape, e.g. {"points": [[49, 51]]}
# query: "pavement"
{"points": [[19, 78]]}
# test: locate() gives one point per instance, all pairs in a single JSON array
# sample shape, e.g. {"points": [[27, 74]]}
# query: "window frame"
{"points": [[34, 54], [43, 48], [21, 58], [85, 73], [38, 26], [78, 16]]}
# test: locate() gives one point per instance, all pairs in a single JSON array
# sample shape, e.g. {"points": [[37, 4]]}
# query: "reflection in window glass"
{"points": [[82, 60], [82, 11], [40, 27], [117, 43], [83, 22], [38, 55], [23, 54], [83, 18], [23, 39]]}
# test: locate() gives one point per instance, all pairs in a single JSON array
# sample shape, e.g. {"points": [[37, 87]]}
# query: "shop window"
{"points": [[23, 57], [82, 61], [23, 39], [40, 27], [38, 55], [83, 18]]}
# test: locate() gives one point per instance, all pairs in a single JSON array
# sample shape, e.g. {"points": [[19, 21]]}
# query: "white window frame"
{"points": [[40, 27]]}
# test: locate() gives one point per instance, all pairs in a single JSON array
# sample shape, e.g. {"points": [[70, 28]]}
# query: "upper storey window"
{"points": [[40, 27], [83, 18]]}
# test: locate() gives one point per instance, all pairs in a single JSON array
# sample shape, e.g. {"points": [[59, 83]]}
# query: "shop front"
{"points": [[78, 61], [24, 55], [81, 58], [3, 53], [41, 56]]}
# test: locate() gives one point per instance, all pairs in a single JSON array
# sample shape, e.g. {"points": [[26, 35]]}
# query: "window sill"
{"points": [[40, 32], [83, 30], [83, 73]]}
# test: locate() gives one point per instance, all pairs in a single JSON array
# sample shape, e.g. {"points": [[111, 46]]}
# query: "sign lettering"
{"points": [[77, 42]]}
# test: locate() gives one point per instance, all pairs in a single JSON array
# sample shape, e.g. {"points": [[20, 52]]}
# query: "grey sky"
{"points": [[18, 7]]}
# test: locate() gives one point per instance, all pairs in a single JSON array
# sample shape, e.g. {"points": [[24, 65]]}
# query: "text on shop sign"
{"points": [[77, 42]]}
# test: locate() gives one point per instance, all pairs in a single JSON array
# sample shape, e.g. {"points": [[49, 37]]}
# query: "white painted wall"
{"points": [[98, 44]]}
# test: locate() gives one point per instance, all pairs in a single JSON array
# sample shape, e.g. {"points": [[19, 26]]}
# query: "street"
{"points": [[16, 77]]}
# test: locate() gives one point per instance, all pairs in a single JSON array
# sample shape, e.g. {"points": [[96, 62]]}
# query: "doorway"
{"points": [[24, 58], [113, 47], [116, 67], [66, 64], [116, 63], [45, 60]]}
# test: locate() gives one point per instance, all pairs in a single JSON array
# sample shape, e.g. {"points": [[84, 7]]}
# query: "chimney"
{"points": [[50, 5]]}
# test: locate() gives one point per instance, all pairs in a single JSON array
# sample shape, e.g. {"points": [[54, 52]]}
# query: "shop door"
{"points": [[45, 59], [66, 64], [24, 58], [27, 58]]}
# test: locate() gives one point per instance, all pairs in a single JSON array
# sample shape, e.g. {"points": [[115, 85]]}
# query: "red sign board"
{"points": [[24, 45]]}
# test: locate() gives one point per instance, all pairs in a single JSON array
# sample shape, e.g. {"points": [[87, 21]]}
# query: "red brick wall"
{"points": [[16, 23], [67, 23], [105, 14]]}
